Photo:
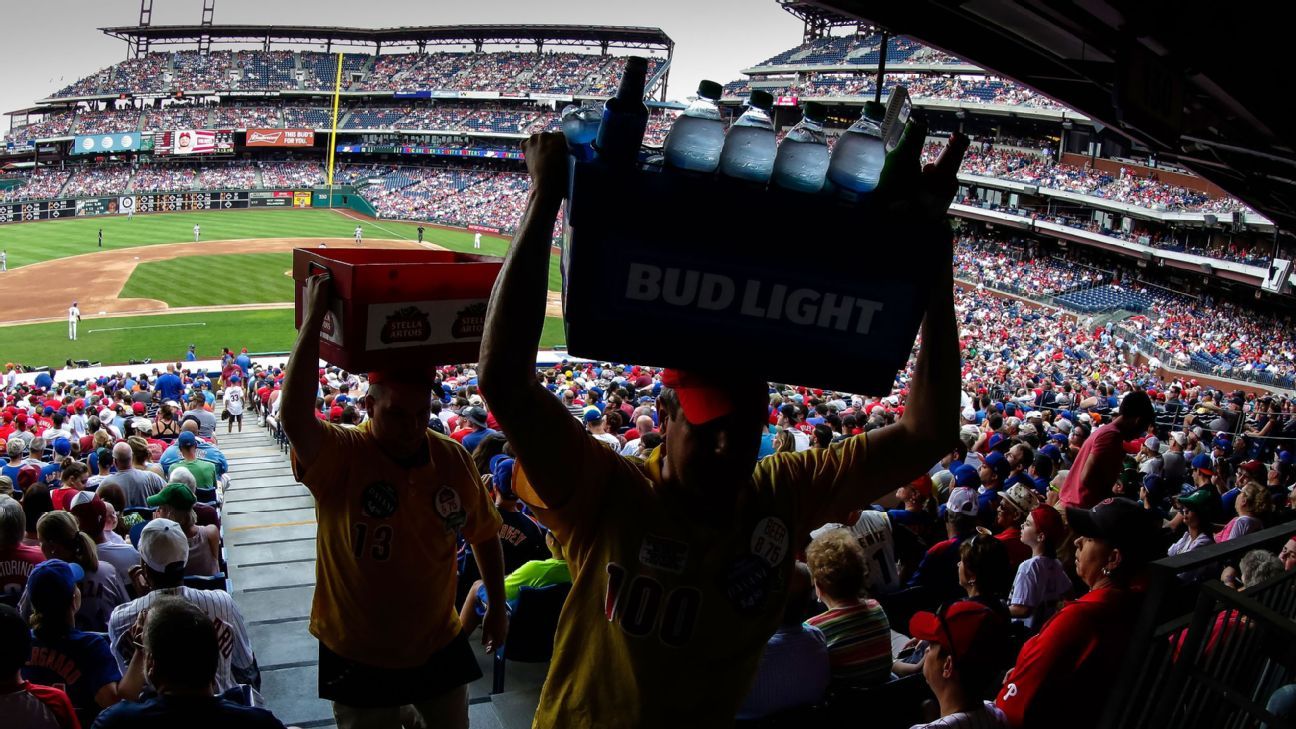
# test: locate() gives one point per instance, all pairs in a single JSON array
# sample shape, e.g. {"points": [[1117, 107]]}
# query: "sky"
{"points": [[54, 42]]}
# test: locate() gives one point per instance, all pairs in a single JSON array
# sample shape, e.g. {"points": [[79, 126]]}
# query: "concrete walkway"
{"points": [[269, 525]]}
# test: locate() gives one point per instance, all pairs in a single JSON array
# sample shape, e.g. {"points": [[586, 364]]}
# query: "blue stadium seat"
{"points": [[531, 629]]}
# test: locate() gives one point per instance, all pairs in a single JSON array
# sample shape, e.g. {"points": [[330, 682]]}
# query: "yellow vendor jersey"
{"points": [[386, 545], [668, 613]]}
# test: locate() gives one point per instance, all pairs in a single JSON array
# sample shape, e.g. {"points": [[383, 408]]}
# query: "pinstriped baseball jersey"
{"points": [[231, 633]]}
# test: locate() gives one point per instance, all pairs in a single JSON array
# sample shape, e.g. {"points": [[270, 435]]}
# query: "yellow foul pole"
{"points": [[337, 96]]}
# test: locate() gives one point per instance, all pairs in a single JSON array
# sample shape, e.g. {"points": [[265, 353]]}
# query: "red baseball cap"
{"points": [[922, 484], [335, 413], [1048, 522], [138, 407], [969, 631], [704, 398]]}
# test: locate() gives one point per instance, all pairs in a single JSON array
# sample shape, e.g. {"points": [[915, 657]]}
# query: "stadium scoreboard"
{"points": [[153, 202], [193, 141]]}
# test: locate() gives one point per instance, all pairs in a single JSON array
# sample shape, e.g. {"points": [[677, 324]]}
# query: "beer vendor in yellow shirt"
{"points": [[391, 498], [680, 563]]}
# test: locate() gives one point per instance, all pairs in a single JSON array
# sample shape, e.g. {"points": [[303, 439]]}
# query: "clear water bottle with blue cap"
{"points": [[802, 160], [750, 146], [859, 154], [697, 137], [580, 124]]}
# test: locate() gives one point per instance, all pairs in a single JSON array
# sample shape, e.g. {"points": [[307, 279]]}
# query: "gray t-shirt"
{"points": [[1174, 466], [206, 422], [121, 556], [138, 485], [101, 591]]}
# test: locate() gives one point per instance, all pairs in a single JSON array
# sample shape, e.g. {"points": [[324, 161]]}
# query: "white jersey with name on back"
{"points": [[873, 530]]}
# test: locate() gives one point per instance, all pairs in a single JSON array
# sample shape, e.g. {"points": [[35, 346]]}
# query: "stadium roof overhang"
{"points": [[1200, 86], [625, 36]]}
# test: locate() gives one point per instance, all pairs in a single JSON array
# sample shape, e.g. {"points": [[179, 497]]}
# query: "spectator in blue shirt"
{"points": [[181, 652], [191, 355], [794, 670], [169, 385]]}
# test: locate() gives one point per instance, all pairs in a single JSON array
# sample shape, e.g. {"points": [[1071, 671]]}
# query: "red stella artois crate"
{"points": [[399, 308], [671, 270]]}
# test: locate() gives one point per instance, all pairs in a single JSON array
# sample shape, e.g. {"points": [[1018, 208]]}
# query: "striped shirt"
{"points": [[991, 717], [235, 645], [859, 643]]}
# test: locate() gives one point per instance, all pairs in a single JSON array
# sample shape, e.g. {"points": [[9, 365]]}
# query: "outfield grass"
{"points": [[165, 337]]}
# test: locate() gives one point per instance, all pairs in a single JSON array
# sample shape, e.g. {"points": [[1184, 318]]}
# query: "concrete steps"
{"points": [[269, 527]]}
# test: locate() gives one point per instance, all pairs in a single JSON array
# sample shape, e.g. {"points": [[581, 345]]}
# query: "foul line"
{"points": [[148, 326]]}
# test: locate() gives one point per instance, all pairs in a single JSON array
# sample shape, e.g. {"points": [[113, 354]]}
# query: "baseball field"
{"points": [[151, 291]]}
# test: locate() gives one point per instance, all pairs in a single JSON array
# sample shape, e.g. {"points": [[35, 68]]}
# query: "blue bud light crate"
{"points": [[666, 269]]}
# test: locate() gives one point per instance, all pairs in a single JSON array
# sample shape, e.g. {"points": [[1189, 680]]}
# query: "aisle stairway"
{"points": [[269, 527]]}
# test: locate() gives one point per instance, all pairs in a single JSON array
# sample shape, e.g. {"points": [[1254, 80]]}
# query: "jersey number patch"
{"points": [[643, 606], [379, 549]]}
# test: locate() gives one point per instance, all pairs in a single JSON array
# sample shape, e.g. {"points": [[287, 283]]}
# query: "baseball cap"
{"points": [[1152, 444], [962, 500], [90, 511], [1255, 469], [163, 545], [966, 476], [593, 415], [1179, 437], [502, 475], [1022, 498], [998, 463], [1048, 522], [175, 495], [1122, 523], [52, 583], [705, 397], [1222, 442], [186, 439], [475, 415], [62, 446], [1203, 463], [922, 484], [1202, 501], [138, 407], [969, 631], [1051, 451]]}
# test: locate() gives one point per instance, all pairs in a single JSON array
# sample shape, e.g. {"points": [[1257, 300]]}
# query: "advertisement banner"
{"points": [[566, 98], [301, 199], [483, 228], [412, 95], [106, 143], [786, 101], [280, 138]]}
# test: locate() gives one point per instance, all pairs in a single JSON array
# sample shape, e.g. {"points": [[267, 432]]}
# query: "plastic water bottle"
{"points": [[859, 154], [625, 116], [580, 124], [802, 159], [696, 138], [750, 146]]}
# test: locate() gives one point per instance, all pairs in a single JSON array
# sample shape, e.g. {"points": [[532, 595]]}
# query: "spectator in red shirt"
{"points": [[1098, 464], [16, 559], [1082, 646]]}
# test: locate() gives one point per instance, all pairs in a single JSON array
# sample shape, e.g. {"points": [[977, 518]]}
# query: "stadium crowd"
{"points": [[505, 72], [986, 90], [86, 460]]}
